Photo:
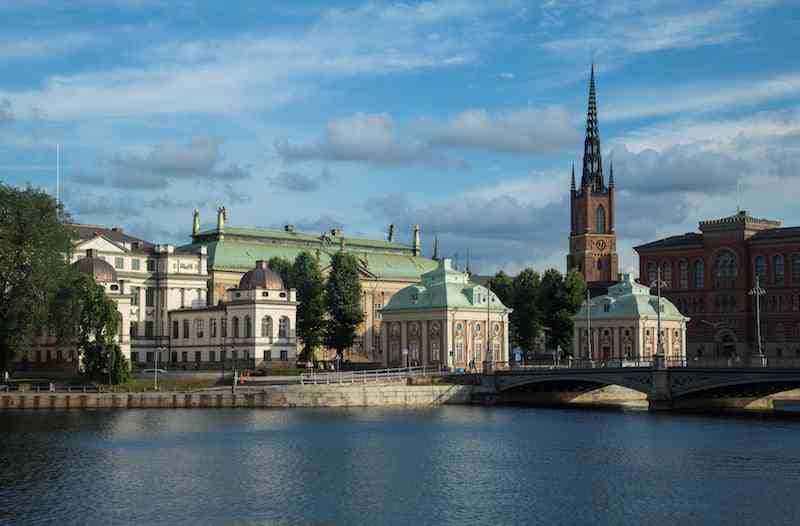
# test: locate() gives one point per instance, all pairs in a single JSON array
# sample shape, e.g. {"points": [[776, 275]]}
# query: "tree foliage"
{"points": [[84, 315], [559, 299], [33, 243], [503, 286], [310, 287], [343, 302], [526, 317], [284, 270]]}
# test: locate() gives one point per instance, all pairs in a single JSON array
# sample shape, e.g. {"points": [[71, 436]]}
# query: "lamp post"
{"points": [[757, 292], [658, 283], [155, 368], [589, 304]]}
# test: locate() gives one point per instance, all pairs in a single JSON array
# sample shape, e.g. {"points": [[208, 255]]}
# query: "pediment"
{"points": [[101, 244]]}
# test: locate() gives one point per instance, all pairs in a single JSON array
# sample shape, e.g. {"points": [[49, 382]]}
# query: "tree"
{"points": [[310, 298], [560, 298], [526, 317], [284, 270], [33, 244], [85, 316], [342, 302], [503, 286]]}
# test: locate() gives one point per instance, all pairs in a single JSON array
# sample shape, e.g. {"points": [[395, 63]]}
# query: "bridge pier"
{"points": [[660, 396]]}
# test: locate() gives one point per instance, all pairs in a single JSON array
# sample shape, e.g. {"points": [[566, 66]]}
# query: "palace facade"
{"points": [[709, 275], [385, 266], [592, 238], [445, 320]]}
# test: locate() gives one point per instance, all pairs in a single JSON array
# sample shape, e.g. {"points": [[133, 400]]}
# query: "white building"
{"points": [[445, 320], [253, 327], [624, 325]]}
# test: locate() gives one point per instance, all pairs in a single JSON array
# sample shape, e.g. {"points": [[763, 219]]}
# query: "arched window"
{"points": [[266, 327], [235, 327], [683, 274], [725, 269], [185, 328], [248, 327], [666, 274], [760, 268], [600, 220], [652, 274], [699, 270], [283, 327], [777, 269]]}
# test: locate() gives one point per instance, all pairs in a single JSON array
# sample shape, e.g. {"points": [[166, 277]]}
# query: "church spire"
{"points": [[592, 161], [572, 186]]}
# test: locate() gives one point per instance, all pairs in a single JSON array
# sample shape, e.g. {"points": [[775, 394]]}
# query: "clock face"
{"points": [[601, 245]]}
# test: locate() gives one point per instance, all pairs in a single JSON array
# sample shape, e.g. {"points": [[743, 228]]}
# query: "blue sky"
{"points": [[461, 116]]}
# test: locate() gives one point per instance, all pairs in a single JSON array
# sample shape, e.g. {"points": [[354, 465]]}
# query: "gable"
{"points": [[99, 243]]}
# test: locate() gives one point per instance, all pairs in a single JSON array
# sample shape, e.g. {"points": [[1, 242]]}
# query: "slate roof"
{"points": [[688, 239], [776, 233], [86, 232]]}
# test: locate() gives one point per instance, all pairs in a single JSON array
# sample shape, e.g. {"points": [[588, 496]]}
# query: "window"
{"points": [[796, 268], [284, 356], [150, 297], [150, 357], [223, 355], [683, 274], [235, 327], [248, 327], [283, 327], [135, 298], [184, 356], [151, 265], [176, 329], [135, 264], [266, 327], [760, 268], [652, 273], [223, 327], [198, 356], [185, 328], [212, 327], [699, 278], [267, 356], [212, 356], [119, 262], [134, 329], [135, 357], [435, 351], [200, 329], [725, 269], [600, 220], [778, 270], [666, 274], [460, 351], [148, 329]]}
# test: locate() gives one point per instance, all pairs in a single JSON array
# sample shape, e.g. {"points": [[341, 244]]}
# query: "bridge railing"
{"points": [[371, 375]]}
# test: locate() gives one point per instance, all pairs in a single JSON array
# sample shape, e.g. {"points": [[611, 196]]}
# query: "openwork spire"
{"points": [[592, 161]]}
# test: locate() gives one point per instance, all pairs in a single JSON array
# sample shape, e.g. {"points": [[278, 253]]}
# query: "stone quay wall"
{"points": [[386, 395]]}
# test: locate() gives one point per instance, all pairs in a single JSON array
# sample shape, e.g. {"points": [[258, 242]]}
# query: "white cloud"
{"points": [[44, 46]]}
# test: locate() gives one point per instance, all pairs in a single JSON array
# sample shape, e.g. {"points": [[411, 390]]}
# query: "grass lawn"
{"points": [[168, 384]]}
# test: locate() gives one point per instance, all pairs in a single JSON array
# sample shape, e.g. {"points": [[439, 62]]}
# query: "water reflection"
{"points": [[454, 465]]}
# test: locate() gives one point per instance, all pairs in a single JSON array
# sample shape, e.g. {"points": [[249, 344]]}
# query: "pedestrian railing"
{"points": [[371, 375]]}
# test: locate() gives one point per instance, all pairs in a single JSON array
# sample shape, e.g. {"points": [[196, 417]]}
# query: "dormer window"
{"points": [[607, 307], [265, 294]]}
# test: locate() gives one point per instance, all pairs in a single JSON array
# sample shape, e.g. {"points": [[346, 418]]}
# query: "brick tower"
{"points": [[592, 239]]}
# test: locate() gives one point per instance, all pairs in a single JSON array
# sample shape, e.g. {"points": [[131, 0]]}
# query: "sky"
{"points": [[463, 117]]}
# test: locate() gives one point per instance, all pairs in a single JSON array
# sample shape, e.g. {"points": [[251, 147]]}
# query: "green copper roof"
{"points": [[444, 288], [630, 300], [239, 254]]}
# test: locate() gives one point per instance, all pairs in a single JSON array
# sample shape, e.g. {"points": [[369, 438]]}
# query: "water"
{"points": [[452, 465]]}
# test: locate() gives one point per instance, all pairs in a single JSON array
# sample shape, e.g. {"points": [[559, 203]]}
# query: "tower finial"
{"points": [[572, 185], [611, 173], [592, 160]]}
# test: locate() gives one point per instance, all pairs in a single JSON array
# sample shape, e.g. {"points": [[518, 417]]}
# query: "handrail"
{"points": [[368, 375]]}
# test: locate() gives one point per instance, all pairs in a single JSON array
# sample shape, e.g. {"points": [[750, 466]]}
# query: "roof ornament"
{"points": [[391, 233], [436, 247], [415, 247], [592, 160], [572, 184], [222, 216], [611, 174], [195, 222]]}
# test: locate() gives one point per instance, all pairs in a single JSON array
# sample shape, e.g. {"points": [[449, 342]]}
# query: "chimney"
{"points": [[262, 264], [118, 229], [336, 232], [288, 228], [415, 246]]}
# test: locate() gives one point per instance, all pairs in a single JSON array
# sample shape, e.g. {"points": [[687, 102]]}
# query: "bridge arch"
{"points": [[638, 381]]}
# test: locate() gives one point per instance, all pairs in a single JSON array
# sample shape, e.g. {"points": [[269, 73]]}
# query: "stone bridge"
{"points": [[664, 388]]}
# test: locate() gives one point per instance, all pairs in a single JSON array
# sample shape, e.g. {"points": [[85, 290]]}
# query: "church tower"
{"points": [[592, 239]]}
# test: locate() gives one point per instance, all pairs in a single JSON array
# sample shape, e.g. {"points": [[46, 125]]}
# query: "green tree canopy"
{"points": [[343, 302], [34, 243], [311, 307], [526, 317], [503, 286], [284, 270], [559, 300], [84, 315]]}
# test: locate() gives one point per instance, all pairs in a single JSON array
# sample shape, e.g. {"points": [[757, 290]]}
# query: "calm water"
{"points": [[455, 465]]}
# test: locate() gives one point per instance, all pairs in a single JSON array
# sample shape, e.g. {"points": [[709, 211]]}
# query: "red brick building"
{"points": [[709, 275], [592, 238]]}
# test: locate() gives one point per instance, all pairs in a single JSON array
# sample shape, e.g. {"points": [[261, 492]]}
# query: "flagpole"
{"points": [[58, 173]]}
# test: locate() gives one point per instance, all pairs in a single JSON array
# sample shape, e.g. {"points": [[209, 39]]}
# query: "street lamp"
{"points": [[589, 304], [658, 283], [155, 368], [757, 292]]}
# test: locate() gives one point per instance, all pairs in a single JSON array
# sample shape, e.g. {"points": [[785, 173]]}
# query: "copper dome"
{"points": [[101, 270], [261, 277]]}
